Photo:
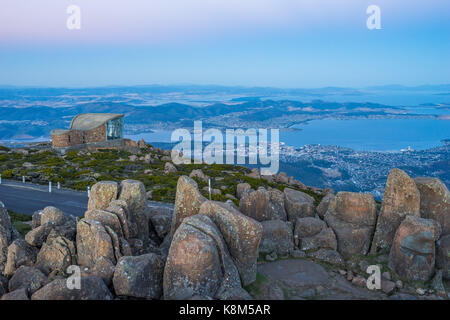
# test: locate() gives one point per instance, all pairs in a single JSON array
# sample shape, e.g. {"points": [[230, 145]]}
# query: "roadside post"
{"points": [[50, 186], [59, 185], [89, 191], [23, 179], [0, 178]]}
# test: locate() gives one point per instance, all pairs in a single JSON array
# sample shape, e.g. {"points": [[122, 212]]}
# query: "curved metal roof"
{"points": [[89, 121]]}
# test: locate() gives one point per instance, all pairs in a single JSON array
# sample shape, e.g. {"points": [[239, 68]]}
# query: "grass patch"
{"points": [[19, 220], [255, 288], [19, 216]]}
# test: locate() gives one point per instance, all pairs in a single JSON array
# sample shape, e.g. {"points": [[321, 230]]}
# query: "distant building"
{"points": [[89, 128], [406, 150]]}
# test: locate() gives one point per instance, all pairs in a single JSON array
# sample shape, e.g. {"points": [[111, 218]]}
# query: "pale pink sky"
{"points": [[156, 21]]}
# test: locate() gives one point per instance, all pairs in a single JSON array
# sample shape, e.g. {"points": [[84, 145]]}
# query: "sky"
{"points": [[278, 43]]}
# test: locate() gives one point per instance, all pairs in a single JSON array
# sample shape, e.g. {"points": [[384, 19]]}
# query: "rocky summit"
{"points": [[274, 241]]}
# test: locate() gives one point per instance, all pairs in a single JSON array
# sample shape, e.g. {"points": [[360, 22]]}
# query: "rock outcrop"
{"points": [[53, 215], [313, 234], [298, 204], [20, 253], [133, 193], [28, 278], [187, 201], [93, 242], [434, 201], [323, 205], [169, 168], [127, 248], [6, 235], [401, 198], [102, 193], [276, 238], [139, 277], [242, 189], [57, 254], [443, 256], [413, 250], [352, 216], [242, 235], [263, 205], [198, 263], [91, 288], [198, 174]]}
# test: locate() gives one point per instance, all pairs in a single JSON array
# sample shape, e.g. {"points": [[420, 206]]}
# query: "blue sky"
{"points": [[282, 43]]}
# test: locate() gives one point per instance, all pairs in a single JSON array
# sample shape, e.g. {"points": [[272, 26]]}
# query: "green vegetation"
{"points": [[19, 220], [80, 169], [256, 287]]}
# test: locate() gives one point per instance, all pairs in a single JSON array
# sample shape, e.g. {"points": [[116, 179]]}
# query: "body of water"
{"points": [[389, 135], [371, 134]]}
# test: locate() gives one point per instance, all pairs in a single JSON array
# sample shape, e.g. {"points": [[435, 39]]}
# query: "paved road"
{"points": [[28, 198]]}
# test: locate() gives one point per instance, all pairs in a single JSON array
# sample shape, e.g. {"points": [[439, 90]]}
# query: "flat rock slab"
{"points": [[295, 272], [305, 279]]}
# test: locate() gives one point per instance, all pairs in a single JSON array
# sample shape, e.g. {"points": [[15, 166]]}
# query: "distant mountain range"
{"points": [[31, 112]]}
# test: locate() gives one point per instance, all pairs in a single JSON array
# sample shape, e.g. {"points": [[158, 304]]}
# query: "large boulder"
{"points": [[434, 201], [67, 230], [161, 218], [323, 205], [413, 250], [38, 236], [242, 189], [198, 174], [5, 235], [133, 193], [28, 278], [277, 203], [120, 209], [352, 216], [20, 253], [92, 288], [276, 238], [52, 215], [401, 198], [5, 220], [169, 168], [139, 277], [282, 178], [298, 204], [241, 233], [325, 239], [313, 233], [56, 254], [102, 193], [4, 243], [104, 269], [443, 256], [187, 201], [263, 205], [106, 219], [308, 227], [36, 219], [93, 241], [198, 263], [19, 294]]}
